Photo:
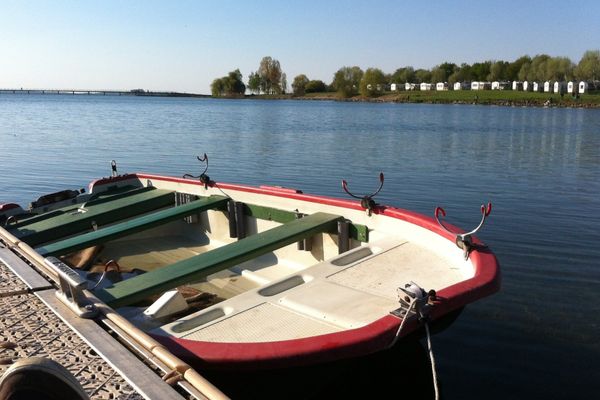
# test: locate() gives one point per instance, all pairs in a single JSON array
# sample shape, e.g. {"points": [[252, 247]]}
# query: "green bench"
{"points": [[100, 198], [98, 213], [132, 226], [198, 267]]}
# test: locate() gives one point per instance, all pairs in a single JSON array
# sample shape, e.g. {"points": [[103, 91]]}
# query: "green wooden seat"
{"points": [[99, 213], [132, 226], [198, 267], [100, 198]]}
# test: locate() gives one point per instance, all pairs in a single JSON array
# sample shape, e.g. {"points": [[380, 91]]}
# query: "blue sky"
{"points": [[184, 45]]}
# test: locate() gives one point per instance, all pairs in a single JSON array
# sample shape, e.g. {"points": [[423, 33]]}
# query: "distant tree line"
{"points": [[350, 81]]}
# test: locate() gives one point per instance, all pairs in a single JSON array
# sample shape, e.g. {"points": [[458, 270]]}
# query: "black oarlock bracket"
{"points": [[113, 167], [464, 241], [366, 201], [204, 179]]}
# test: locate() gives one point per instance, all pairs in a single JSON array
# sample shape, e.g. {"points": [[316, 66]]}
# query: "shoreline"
{"points": [[587, 101], [507, 98]]}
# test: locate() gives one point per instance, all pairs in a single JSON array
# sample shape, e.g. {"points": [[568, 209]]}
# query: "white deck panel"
{"points": [[264, 323], [339, 305], [382, 275]]}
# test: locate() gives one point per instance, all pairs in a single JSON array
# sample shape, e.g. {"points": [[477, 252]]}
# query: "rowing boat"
{"points": [[230, 276]]}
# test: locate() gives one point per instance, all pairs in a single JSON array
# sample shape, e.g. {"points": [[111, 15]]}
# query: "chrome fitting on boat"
{"points": [[464, 241], [413, 293]]}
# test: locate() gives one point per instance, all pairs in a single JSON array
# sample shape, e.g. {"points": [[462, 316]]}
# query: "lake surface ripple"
{"points": [[538, 338]]}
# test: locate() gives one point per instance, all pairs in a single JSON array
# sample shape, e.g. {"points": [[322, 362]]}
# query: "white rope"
{"points": [[429, 347], [433, 372], [399, 331]]}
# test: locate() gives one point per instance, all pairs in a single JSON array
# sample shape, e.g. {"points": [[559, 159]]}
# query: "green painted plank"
{"points": [[198, 267], [100, 198], [132, 226], [74, 222]]}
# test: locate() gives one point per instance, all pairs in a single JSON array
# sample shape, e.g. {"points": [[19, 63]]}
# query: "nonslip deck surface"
{"points": [[28, 328]]}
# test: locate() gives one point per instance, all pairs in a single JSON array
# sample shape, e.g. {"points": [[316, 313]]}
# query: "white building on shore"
{"points": [[559, 87], [480, 85], [547, 87]]}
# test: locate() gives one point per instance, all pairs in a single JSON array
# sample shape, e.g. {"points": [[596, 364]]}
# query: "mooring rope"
{"points": [[429, 346], [432, 359], [399, 331]]}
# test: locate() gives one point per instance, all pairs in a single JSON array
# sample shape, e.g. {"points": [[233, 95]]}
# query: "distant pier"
{"points": [[73, 92]]}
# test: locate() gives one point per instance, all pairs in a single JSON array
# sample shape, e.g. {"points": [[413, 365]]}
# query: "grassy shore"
{"points": [[485, 97]]}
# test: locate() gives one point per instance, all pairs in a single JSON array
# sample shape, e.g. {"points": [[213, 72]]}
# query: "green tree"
{"points": [[559, 69], [422, 75], [498, 71], [524, 71], [315, 87], [403, 75], [254, 82], [538, 68], [480, 71], [347, 80], [373, 82], [442, 72], [271, 76], [299, 85], [588, 67], [234, 85], [461, 74], [230, 85], [513, 68], [217, 87]]}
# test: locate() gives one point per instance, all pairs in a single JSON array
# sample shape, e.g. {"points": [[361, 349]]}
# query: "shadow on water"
{"points": [[376, 376]]}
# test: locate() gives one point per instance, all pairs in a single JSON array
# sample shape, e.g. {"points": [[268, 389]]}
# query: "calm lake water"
{"points": [[538, 338]]}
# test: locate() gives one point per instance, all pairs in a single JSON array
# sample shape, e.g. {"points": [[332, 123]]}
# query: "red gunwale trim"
{"points": [[356, 342], [110, 179], [8, 206], [318, 349]]}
